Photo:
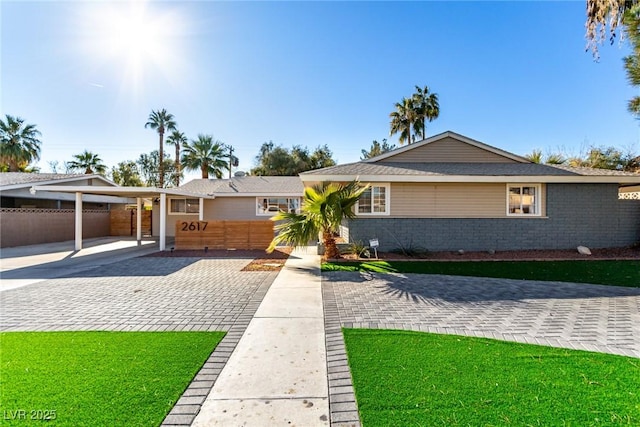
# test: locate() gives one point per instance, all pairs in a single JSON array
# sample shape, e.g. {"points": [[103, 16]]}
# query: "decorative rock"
{"points": [[583, 250], [461, 252]]}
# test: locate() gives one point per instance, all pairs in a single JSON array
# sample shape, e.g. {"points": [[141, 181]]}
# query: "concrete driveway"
{"points": [[577, 316]]}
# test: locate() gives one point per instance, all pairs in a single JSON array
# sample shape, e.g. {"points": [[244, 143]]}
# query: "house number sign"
{"points": [[193, 225]]}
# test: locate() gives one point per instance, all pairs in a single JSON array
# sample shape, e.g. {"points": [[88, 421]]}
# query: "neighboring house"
{"points": [[450, 192], [28, 217], [631, 192]]}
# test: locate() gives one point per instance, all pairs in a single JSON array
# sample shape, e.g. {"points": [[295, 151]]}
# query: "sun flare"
{"points": [[137, 39]]}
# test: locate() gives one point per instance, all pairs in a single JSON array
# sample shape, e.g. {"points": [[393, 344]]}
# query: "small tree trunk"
{"points": [[161, 161], [330, 248], [177, 165]]}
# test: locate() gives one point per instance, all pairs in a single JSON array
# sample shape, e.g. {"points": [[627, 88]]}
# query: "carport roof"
{"points": [[142, 192]]}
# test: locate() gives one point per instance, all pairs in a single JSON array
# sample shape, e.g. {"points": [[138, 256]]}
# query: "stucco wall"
{"points": [[20, 227], [577, 214]]}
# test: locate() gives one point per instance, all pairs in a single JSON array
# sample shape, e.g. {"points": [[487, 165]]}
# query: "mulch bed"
{"points": [[627, 253], [261, 261]]}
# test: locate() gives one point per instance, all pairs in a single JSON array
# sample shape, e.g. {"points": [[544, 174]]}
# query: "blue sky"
{"points": [[511, 74]]}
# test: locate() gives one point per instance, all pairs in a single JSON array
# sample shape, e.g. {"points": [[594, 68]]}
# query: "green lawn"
{"points": [[621, 273], [417, 379], [97, 378]]}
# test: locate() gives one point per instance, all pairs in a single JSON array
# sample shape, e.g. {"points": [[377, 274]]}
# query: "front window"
{"points": [[374, 201], [524, 200], [272, 205], [184, 206]]}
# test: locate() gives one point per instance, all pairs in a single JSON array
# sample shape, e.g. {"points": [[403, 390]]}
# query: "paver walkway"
{"points": [[579, 316], [138, 294], [277, 374]]}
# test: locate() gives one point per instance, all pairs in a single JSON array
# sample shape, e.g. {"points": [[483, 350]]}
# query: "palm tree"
{"points": [[535, 156], [403, 119], [323, 208], [161, 121], [89, 162], [205, 154], [178, 139], [19, 143], [427, 109], [555, 159]]}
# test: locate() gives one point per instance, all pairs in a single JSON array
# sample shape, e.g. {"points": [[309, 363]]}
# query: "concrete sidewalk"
{"points": [[277, 374]]}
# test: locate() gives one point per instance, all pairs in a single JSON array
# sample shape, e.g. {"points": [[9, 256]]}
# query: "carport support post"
{"points": [[138, 219], [163, 220], [78, 221], [201, 210]]}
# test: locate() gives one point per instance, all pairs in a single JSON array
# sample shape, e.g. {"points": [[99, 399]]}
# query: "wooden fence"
{"points": [[223, 234], [123, 222]]}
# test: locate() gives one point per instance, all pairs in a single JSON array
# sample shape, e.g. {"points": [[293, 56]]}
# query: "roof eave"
{"points": [[478, 178], [58, 181], [120, 191]]}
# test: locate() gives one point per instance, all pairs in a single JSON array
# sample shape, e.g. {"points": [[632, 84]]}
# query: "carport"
{"points": [[132, 193]]}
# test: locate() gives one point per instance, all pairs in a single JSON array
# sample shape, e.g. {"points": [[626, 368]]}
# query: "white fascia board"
{"points": [[478, 178], [144, 192], [273, 194], [52, 195]]}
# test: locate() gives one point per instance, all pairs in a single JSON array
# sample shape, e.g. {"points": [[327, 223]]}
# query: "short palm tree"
{"points": [[19, 143], [205, 154], [89, 162], [403, 119], [427, 109], [323, 208], [161, 121], [177, 139], [535, 156]]}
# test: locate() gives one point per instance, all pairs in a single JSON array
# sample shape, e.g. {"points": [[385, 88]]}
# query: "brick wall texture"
{"points": [[577, 214]]}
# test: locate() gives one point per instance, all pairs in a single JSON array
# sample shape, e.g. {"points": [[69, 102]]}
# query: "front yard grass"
{"points": [[620, 273], [404, 378], [97, 378]]}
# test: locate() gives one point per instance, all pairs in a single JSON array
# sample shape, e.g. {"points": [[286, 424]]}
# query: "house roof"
{"points": [[15, 180], [387, 168], [465, 172], [247, 186], [445, 135]]}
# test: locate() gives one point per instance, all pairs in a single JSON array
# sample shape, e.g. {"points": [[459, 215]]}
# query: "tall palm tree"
{"points": [[178, 140], [205, 154], [323, 208], [89, 162], [19, 143], [427, 109], [403, 119], [161, 121]]}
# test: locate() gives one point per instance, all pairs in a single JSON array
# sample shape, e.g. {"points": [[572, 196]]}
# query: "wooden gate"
{"points": [[223, 234], [122, 222]]}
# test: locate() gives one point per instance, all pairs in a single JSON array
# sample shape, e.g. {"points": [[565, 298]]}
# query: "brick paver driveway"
{"points": [[142, 294], [580, 316]]}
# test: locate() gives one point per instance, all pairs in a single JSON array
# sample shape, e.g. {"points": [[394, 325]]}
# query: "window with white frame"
{"points": [[184, 206], [374, 201], [272, 205], [523, 200]]}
